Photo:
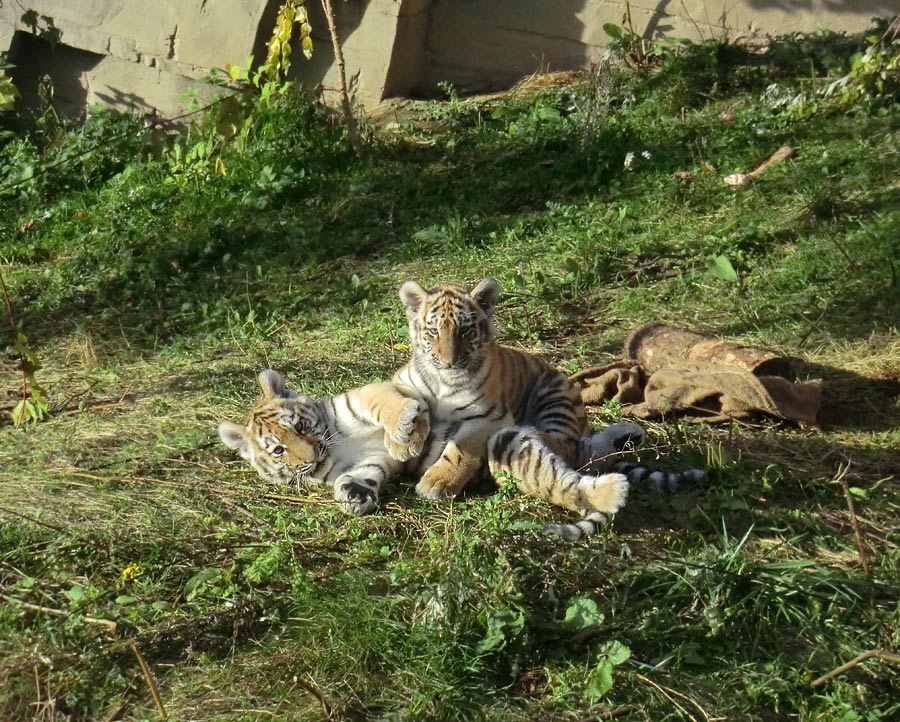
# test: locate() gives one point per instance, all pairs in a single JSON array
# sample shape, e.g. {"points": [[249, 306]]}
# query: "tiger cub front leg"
{"points": [[447, 476], [406, 438], [404, 418], [462, 458], [358, 490]]}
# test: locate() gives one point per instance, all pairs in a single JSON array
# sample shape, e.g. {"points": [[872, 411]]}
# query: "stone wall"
{"points": [[146, 55]]}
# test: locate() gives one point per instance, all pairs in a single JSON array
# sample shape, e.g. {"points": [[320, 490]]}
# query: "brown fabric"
{"points": [[656, 346], [622, 381], [720, 387]]}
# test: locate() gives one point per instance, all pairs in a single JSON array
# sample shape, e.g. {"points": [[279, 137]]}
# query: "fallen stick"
{"points": [[857, 532], [856, 661], [108, 623], [149, 679], [779, 156]]}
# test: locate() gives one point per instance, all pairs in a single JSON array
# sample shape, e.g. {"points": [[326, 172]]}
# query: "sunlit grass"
{"points": [[153, 304]]}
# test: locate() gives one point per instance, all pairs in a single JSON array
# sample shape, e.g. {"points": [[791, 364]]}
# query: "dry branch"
{"points": [[346, 108], [857, 532], [859, 659], [108, 623], [149, 679]]}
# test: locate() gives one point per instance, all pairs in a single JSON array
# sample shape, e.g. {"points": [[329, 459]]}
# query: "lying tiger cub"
{"points": [[357, 440], [353, 441], [488, 405]]}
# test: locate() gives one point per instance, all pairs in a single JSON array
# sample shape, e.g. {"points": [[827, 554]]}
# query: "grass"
{"points": [[152, 298]]}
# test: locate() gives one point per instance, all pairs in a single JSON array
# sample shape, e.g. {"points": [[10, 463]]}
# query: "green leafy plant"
{"points": [[33, 405], [582, 614], [636, 50], [197, 156], [502, 628], [874, 73], [600, 679], [8, 91]]}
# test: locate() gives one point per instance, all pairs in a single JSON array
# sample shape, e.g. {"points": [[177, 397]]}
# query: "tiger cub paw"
{"points": [[436, 486], [609, 492], [356, 496], [408, 439]]}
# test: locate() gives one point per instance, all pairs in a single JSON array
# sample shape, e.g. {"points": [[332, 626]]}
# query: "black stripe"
{"points": [[425, 454], [450, 431], [466, 389], [540, 460], [346, 399], [334, 412], [482, 415], [417, 366], [501, 441], [555, 415]]}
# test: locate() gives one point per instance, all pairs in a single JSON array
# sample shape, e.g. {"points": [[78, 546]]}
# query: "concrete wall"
{"points": [[486, 44], [130, 52], [145, 55], [383, 43]]}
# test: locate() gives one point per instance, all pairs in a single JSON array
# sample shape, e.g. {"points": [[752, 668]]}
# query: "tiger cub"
{"points": [[353, 441], [500, 406]]}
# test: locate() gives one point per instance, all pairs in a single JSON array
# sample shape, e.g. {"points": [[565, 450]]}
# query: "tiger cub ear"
{"points": [[412, 295], [274, 386], [232, 436], [486, 294]]}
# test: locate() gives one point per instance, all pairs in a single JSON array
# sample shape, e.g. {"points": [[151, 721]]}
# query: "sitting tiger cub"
{"points": [[353, 441], [501, 406]]}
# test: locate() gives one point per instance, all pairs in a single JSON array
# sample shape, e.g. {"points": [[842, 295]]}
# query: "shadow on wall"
{"points": [[479, 46], [66, 66]]}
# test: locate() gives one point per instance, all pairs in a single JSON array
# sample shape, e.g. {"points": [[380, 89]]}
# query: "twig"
{"points": [[618, 711], [309, 687], [96, 407], [55, 528], [879, 654], [246, 512], [813, 326], [108, 623], [207, 487], [347, 109], [857, 531], [662, 691], [668, 693], [149, 679], [613, 713]]}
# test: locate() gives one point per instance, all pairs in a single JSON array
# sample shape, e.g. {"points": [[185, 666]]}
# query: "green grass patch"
{"points": [[152, 296]]}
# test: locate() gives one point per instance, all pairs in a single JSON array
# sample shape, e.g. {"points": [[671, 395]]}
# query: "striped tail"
{"points": [[603, 452], [574, 531], [663, 481], [668, 482], [541, 472]]}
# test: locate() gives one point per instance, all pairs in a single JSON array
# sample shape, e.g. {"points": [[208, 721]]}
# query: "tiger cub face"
{"points": [[451, 327], [283, 437]]}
